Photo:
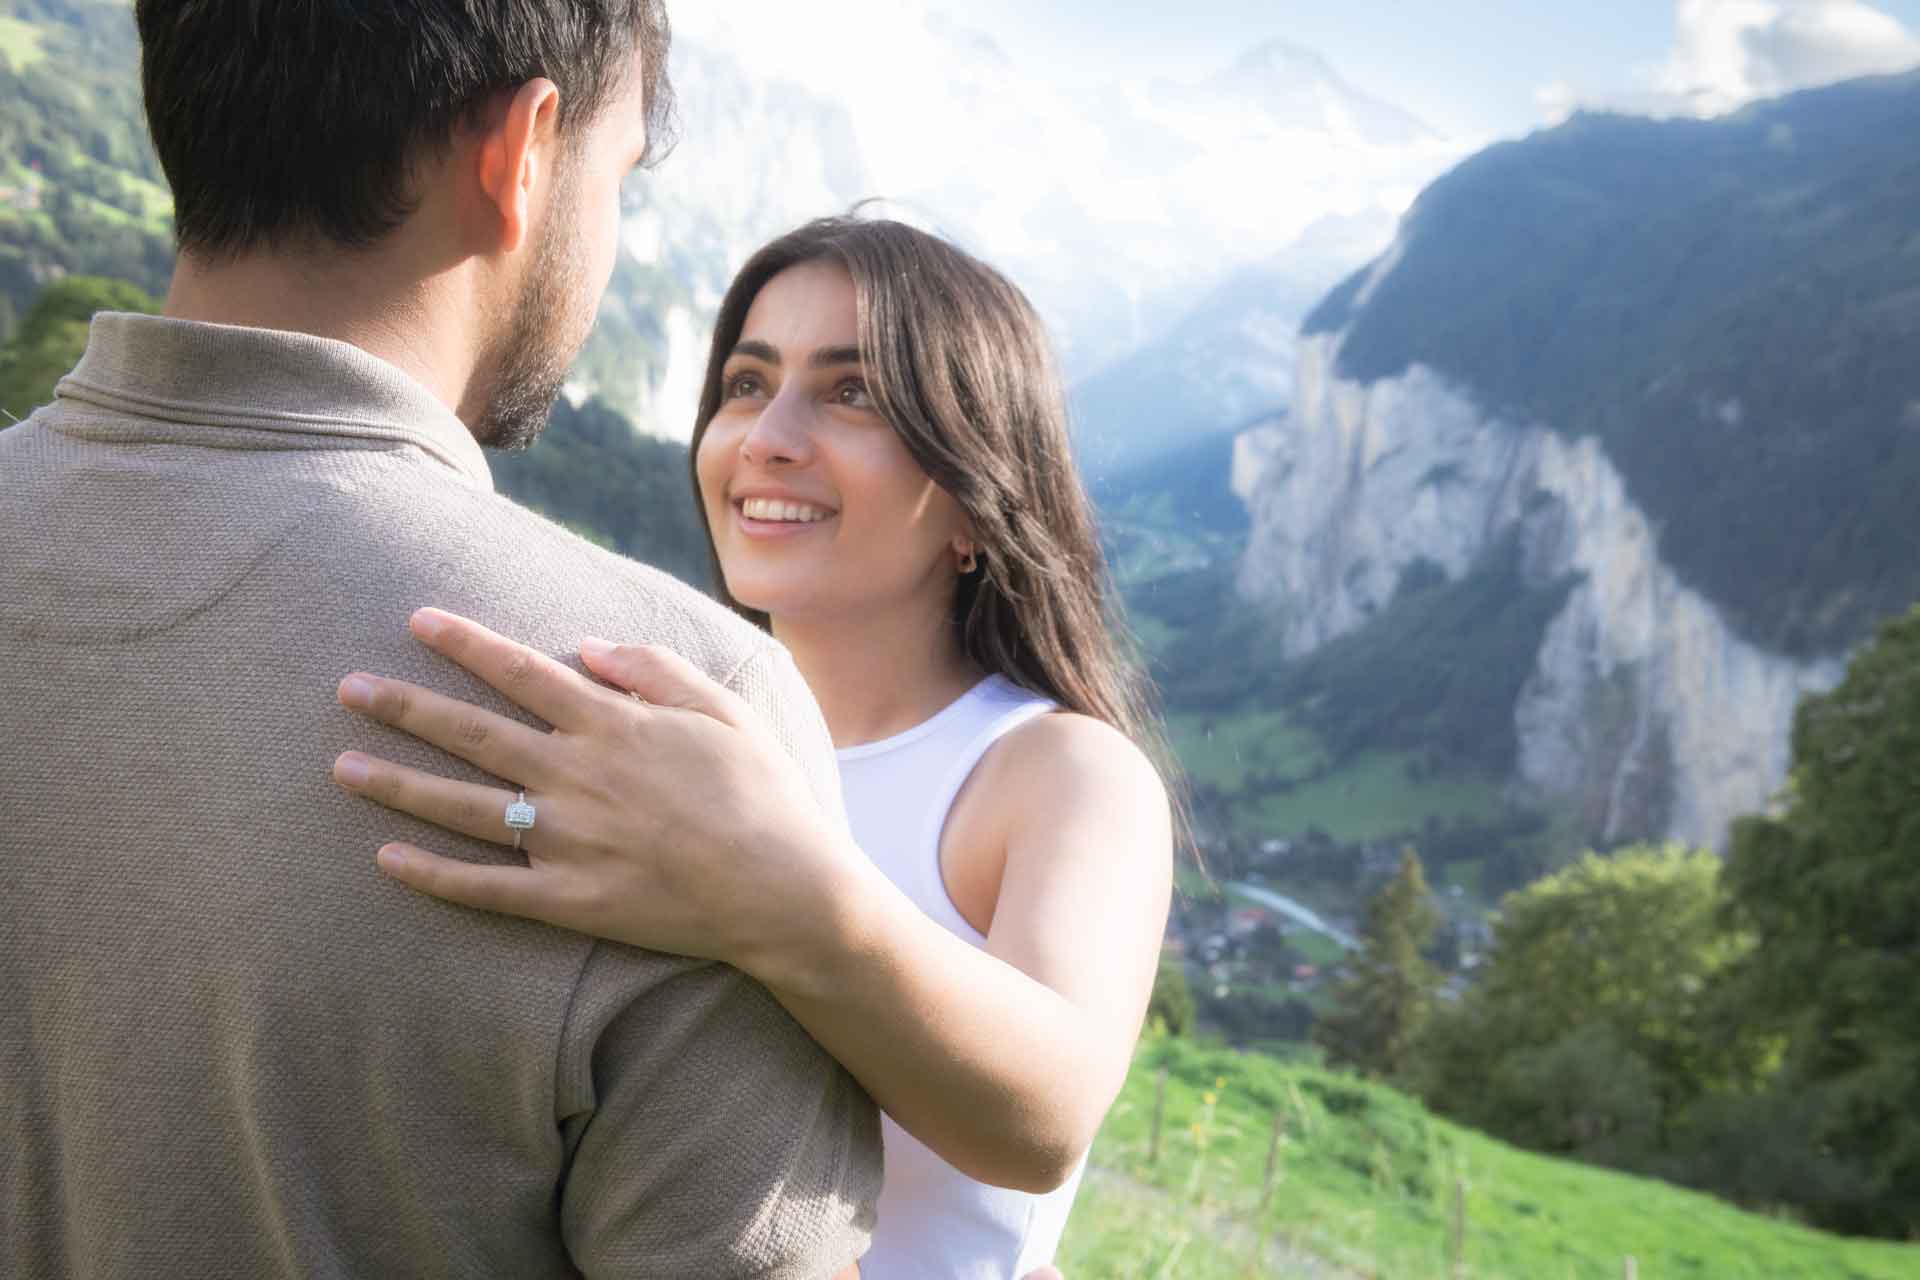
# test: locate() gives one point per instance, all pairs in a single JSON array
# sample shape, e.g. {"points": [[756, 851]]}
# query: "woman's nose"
{"points": [[779, 436]]}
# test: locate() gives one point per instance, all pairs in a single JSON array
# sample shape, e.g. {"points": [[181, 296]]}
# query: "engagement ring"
{"points": [[520, 817]]}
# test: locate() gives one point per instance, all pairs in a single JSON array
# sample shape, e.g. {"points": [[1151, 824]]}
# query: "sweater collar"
{"points": [[268, 384]]}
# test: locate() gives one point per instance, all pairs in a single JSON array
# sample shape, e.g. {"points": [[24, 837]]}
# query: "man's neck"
{"points": [[421, 324]]}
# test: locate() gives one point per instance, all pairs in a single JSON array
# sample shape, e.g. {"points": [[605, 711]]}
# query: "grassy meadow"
{"points": [[1368, 1183], [1278, 777]]}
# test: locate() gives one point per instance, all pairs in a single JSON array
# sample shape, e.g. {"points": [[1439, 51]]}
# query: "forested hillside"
{"points": [[49, 340], [80, 189], [628, 491]]}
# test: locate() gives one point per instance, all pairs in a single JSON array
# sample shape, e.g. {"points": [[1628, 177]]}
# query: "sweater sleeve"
{"points": [[709, 1135]]}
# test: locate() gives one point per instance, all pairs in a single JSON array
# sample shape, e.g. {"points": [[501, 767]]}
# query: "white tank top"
{"points": [[935, 1223]]}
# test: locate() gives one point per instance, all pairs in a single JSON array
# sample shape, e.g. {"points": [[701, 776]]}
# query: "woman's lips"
{"points": [[777, 518], [783, 510]]}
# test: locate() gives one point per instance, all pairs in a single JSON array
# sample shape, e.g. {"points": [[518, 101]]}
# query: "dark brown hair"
{"points": [[277, 119], [959, 364]]}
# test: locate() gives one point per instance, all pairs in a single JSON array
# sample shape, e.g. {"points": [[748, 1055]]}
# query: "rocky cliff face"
{"points": [[1645, 715]]}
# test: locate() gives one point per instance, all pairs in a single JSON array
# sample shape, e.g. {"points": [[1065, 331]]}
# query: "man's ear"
{"points": [[517, 155]]}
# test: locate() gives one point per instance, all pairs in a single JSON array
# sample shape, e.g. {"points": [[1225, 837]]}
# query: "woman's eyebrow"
{"points": [[828, 357], [758, 350]]}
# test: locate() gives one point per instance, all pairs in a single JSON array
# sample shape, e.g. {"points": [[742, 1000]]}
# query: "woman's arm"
{"points": [[1003, 1061], [673, 824]]}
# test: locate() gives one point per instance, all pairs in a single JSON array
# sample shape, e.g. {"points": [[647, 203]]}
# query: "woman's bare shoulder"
{"points": [[1065, 760]]}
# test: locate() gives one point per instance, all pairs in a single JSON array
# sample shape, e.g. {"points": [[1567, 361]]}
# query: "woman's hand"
{"points": [[667, 816]]}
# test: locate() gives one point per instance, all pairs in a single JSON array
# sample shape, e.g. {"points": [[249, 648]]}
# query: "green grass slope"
{"points": [[1368, 1182]]}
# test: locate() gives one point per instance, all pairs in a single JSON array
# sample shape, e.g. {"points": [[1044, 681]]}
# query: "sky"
{"points": [[1469, 68], [1093, 149]]}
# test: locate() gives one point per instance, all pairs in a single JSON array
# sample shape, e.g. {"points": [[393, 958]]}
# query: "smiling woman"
{"points": [[882, 463], [813, 501]]}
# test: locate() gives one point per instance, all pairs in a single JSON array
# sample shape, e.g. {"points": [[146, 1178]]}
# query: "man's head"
{"points": [[322, 127]]}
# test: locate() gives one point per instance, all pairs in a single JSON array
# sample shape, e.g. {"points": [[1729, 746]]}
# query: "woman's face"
{"points": [[816, 507]]}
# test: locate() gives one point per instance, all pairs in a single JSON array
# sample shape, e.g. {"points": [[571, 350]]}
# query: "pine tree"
{"points": [[1171, 1004], [1382, 1006]]}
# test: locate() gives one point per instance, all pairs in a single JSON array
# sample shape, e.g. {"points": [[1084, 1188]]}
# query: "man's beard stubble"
{"points": [[531, 357]]}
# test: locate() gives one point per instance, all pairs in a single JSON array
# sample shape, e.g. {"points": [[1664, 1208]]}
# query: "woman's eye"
{"points": [[742, 385], [853, 393]]}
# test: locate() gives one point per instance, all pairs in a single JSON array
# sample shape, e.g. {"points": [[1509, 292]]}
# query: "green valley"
{"points": [[1276, 776]]}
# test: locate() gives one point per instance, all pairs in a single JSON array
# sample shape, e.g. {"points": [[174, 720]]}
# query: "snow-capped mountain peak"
{"points": [[1297, 88]]}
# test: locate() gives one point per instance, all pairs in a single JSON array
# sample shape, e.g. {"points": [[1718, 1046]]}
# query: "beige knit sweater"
{"points": [[228, 1045]]}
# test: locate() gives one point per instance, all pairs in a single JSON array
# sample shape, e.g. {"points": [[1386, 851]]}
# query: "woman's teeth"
{"points": [[784, 512]]}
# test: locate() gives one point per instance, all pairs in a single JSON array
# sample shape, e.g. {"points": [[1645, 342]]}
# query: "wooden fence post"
{"points": [[1273, 1158], [1263, 1228], [1459, 1242], [1159, 1114]]}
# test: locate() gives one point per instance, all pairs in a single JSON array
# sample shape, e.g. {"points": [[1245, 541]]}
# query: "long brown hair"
{"points": [[959, 364]]}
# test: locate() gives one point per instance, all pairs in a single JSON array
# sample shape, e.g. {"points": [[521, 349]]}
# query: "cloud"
{"points": [[1822, 43], [1728, 53]]}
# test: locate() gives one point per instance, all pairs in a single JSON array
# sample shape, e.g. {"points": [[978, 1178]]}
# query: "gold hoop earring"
{"points": [[968, 562]]}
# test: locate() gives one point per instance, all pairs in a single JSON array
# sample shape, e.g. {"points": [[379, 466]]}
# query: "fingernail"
{"points": [[391, 858], [592, 647], [428, 624], [352, 770], [357, 692]]}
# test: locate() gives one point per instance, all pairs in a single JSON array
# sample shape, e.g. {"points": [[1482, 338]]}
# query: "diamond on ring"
{"points": [[520, 817]]}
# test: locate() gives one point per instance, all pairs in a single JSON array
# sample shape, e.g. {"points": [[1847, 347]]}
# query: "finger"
{"points": [[662, 677], [471, 810], [508, 890], [551, 690], [505, 748]]}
